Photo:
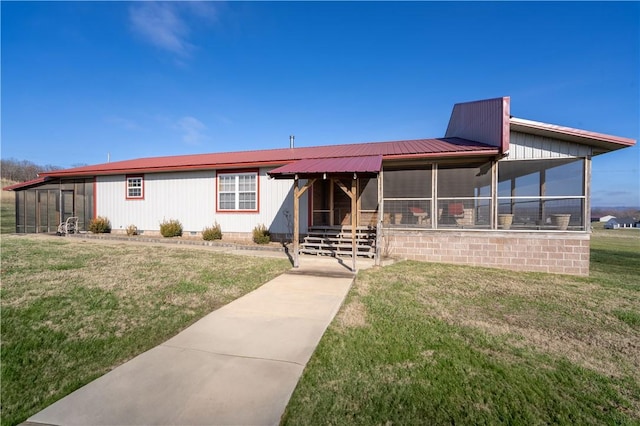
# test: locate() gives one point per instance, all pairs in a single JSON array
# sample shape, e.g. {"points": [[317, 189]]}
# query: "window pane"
{"points": [[247, 201], [247, 183], [369, 194], [557, 177], [540, 213], [54, 200], [464, 213], [527, 186], [406, 194], [227, 183], [30, 210], [407, 213], [407, 183], [227, 201], [519, 179], [20, 223], [565, 178], [461, 181]]}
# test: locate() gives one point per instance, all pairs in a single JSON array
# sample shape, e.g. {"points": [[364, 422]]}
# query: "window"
{"points": [[135, 188], [464, 196], [536, 194], [238, 191], [407, 197]]}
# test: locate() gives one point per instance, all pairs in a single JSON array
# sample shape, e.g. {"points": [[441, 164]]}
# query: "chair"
{"points": [[455, 211], [419, 214], [69, 226]]}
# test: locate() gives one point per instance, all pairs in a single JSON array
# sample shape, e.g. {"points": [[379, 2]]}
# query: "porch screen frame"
{"points": [[397, 205], [548, 207], [457, 210]]}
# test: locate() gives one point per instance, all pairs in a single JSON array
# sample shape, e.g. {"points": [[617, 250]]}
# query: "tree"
{"points": [[22, 171]]}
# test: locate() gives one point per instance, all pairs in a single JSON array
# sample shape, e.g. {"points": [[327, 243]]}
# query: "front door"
{"points": [[332, 207]]}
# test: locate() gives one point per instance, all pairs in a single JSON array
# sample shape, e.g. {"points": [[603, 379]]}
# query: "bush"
{"points": [[132, 230], [100, 225], [171, 228], [261, 235], [212, 233]]}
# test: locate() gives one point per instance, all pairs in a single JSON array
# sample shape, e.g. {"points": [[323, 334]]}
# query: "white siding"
{"points": [[529, 147], [190, 197]]}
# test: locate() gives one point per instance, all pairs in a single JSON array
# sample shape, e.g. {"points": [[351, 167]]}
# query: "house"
{"points": [[626, 222], [606, 218], [495, 191], [612, 224]]}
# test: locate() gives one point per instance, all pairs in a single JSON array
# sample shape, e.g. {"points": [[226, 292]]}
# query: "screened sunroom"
{"points": [[545, 194], [41, 208]]}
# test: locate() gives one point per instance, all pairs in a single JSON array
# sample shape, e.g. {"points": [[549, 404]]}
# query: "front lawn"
{"points": [[420, 343], [73, 310]]}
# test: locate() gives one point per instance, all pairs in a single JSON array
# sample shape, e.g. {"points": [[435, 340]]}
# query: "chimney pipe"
{"points": [[292, 138]]}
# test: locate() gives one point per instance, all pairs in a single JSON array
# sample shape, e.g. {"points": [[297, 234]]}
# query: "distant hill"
{"points": [[619, 212]]}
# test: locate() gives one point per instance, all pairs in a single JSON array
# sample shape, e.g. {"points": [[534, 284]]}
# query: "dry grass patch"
{"points": [[73, 310], [446, 344], [352, 315], [560, 315]]}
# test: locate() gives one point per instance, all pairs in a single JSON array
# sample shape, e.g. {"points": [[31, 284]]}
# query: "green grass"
{"points": [[414, 343], [73, 310], [419, 343]]}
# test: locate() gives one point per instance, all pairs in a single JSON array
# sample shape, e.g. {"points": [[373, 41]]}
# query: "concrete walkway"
{"points": [[237, 366]]}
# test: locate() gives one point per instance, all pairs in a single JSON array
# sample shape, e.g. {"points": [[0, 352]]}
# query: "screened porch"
{"points": [[545, 194]]}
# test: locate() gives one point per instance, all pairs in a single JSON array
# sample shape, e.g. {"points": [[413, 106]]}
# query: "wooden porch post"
{"points": [[296, 221], [379, 221], [331, 217], [354, 217], [354, 206], [297, 193]]}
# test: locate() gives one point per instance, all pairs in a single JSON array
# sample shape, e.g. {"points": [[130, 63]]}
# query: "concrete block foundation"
{"points": [[551, 252]]}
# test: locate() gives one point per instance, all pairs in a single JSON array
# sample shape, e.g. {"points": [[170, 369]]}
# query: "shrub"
{"points": [[171, 228], [132, 230], [212, 233], [100, 225], [261, 235]]}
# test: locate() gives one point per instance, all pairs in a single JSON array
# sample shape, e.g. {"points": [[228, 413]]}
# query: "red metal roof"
{"points": [[419, 148], [26, 184], [311, 166]]}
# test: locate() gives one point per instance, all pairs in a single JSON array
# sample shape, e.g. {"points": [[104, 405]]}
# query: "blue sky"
{"points": [[81, 80]]}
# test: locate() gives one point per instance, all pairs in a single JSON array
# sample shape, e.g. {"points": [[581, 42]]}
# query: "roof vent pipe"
{"points": [[292, 138]]}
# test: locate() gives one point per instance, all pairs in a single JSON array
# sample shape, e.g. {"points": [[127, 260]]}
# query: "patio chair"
{"points": [[69, 226], [420, 215], [454, 213]]}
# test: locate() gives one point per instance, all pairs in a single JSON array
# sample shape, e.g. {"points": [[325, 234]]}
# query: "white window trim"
{"points": [[236, 175], [129, 179]]}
